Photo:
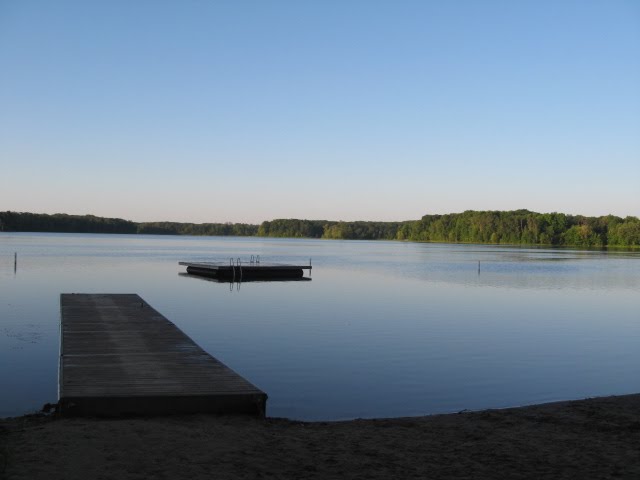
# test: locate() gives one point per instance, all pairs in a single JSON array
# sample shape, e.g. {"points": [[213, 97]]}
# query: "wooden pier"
{"points": [[119, 356], [245, 271]]}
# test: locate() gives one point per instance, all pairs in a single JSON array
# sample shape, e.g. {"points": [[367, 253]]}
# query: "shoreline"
{"points": [[590, 438]]}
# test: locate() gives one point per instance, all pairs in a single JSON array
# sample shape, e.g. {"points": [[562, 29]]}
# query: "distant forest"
{"points": [[60, 222], [519, 227]]}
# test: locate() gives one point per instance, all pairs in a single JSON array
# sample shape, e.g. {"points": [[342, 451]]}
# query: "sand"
{"points": [[594, 438]]}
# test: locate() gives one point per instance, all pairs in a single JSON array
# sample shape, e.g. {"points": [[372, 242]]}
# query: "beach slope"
{"points": [[593, 438]]}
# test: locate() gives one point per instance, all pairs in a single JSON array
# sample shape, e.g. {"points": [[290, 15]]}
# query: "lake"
{"points": [[383, 329]]}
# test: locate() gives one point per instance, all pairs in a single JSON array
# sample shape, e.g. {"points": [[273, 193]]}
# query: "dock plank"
{"points": [[119, 356]]}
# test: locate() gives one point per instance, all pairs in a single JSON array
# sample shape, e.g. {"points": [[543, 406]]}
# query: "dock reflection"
{"points": [[238, 284]]}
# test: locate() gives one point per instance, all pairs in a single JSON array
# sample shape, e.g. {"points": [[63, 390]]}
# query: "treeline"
{"points": [[59, 222], [525, 227], [210, 229], [330, 229], [506, 227]]}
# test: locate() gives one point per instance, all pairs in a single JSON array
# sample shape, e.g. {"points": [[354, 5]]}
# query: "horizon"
{"points": [[328, 219], [239, 112]]}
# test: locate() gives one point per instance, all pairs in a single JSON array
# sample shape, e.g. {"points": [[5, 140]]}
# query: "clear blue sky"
{"points": [[243, 111]]}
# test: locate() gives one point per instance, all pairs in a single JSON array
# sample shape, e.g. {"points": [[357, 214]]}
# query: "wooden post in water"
{"points": [[478, 267], [15, 262]]}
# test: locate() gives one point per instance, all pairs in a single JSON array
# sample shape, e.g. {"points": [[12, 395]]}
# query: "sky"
{"points": [[245, 111]]}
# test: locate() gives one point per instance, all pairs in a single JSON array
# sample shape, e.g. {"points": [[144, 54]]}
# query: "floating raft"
{"points": [[245, 271], [119, 356]]}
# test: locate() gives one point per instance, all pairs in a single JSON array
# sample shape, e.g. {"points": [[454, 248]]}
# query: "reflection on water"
{"points": [[237, 283], [384, 329], [27, 333]]}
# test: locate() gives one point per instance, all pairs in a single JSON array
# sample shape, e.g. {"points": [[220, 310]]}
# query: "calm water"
{"points": [[383, 329]]}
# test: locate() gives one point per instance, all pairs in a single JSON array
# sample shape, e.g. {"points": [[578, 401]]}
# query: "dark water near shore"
{"points": [[383, 329]]}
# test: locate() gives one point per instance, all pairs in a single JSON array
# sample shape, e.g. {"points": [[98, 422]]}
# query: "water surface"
{"points": [[383, 329]]}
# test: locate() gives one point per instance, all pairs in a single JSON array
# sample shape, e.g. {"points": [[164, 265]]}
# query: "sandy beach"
{"points": [[594, 438]]}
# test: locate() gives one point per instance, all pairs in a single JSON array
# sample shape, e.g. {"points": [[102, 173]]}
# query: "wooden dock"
{"points": [[245, 271], [119, 356]]}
